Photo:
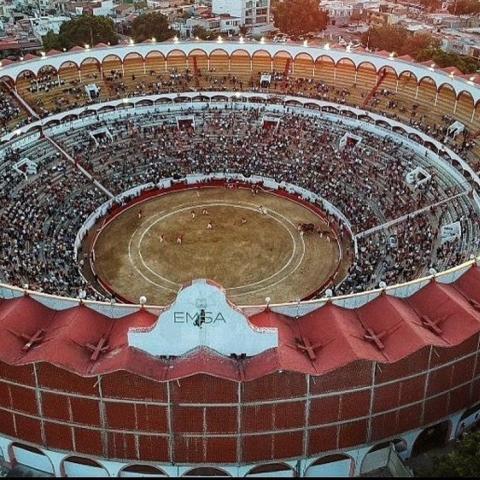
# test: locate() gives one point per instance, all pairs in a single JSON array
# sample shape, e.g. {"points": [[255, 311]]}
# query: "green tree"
{"points": [[464, 7], [83, 30], [431, 5], [463, 461], [202, 33], [152, 25], [385, 37], [52, 41], [298, 17], [413, 44]]}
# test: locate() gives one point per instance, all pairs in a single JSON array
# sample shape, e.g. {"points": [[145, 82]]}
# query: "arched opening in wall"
{"points": [[70, 118], [261, 62], [181, 99], [469, 419], [112, 67], [281, 470], [163, 101], [90, 70], [389, 81], [26, 82], [415, 137], [476, 117], [82, 467], [407, 86], [219, 62], [366, 76], [68, 72], [176, 62], [446, 99], [465, 106], [133, 66], [339, 465], [5, 79], [219, 98], [432, 437], [141, 471], [347, 113], [87, 113], [206, 472], [106, 108], [378, 456], [282, 63], [200, 98], [293, 103], [144, 103], [51, 123], [155, 63], [312, 106], [431, 146], [198, 61], [345, 73], [240, 63], [427, 90], [303, 65], [47, 74], [382, 123], [325, 69], [26, 457], [366, 118], [399, 130]]}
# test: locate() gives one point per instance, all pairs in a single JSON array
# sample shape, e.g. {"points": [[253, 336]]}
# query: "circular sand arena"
{"points": [[248, 243]]}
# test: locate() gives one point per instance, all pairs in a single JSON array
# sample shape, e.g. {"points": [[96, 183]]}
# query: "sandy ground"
{"points": [[253, 255]]}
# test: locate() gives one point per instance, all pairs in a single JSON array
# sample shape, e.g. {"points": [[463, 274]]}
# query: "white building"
{"points": [[100, 8], [40, 26], [254, 14]]}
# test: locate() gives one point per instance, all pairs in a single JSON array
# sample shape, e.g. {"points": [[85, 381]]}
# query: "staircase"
{"points": [[21, 101], [380, 78]]}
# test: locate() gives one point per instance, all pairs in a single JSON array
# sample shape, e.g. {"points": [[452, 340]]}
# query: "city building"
{"points": [[254, 14]]}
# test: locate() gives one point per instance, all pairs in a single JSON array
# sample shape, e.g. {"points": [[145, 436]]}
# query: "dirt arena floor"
{"points": [[253, 255]]}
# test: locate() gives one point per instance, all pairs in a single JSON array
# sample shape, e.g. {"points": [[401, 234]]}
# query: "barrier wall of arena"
{"points": [[196, 179], [206, 420]]}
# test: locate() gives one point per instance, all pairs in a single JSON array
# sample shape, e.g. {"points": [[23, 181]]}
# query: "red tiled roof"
{"points": [[406, 58], [454, 70], [385, 330]]}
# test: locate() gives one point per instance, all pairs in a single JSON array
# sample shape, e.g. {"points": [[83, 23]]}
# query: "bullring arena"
{"points": [[247, 242], [339, 330]]}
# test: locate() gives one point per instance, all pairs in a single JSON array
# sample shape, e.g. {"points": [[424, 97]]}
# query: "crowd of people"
{"points": [[366, 182], [115, 84], [39, 217], [10, 112], [39, 220]]}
